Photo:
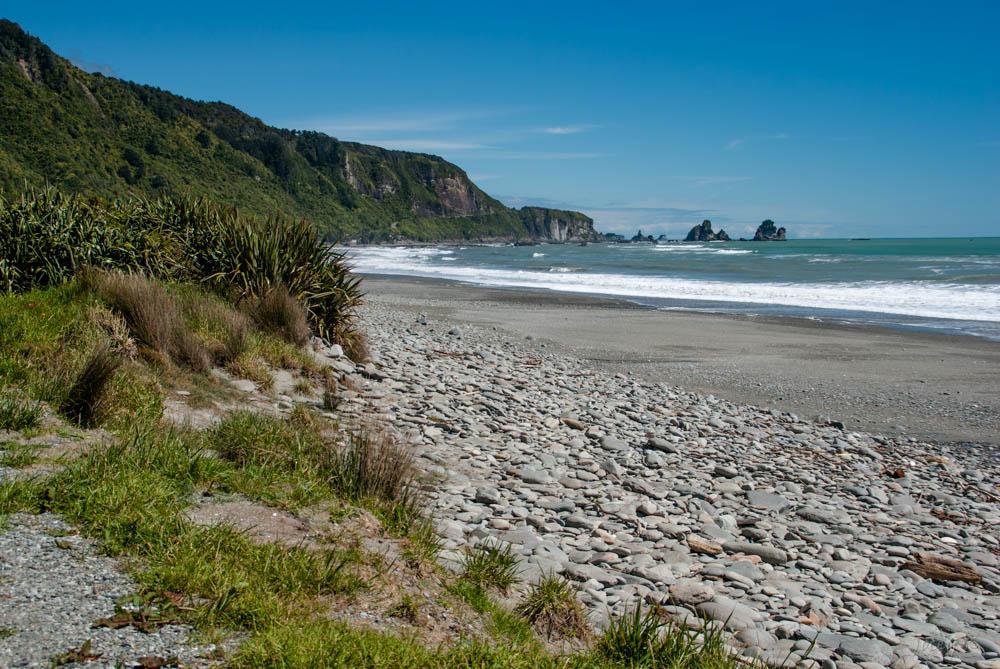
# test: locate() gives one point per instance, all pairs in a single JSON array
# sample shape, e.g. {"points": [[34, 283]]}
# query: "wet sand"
{"points": [[929, 386]]}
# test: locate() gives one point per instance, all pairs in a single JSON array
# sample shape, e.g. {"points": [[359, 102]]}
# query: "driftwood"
{"points": [[699, 545], [939, 568]]}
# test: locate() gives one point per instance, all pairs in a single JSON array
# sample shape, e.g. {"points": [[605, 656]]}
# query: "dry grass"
{"points": [[331, 394], [356, 347], [225, 330], [373, 465], [277, 311], [151, 312], [114, 326], [153, 315], [85, 399], [252, 367]]}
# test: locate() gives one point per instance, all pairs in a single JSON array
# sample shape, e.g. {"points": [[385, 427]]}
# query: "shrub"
{"points": [[253, 257], [17, 415], [277, 311], [552, 608], [84, 399], [46, 237], [491, 565]]}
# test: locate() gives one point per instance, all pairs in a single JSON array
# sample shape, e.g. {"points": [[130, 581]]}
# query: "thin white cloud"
{"points": [[544, 155], [422, 144], [568, 129], [739, 142], [387, 123]]}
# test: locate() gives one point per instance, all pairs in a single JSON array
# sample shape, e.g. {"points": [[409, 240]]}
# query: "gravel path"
{"points": [[54, 586], [793, 533]]}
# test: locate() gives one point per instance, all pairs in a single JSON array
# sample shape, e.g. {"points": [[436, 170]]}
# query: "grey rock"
{"points": [[768, 554], [732, 614], [866, 650], [487, 496], [770, 501]]}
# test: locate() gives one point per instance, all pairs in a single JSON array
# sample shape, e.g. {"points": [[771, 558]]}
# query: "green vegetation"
{"points": [[17, 415], [85, 400], [87, 133], [551, 607], [48, 237], [491, 565], [641, 638]]}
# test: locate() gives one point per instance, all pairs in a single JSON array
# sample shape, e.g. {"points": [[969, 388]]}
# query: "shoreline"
{"points": [[872, 378]]}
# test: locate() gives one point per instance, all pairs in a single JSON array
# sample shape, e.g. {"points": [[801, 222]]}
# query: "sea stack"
{"points": [[769, 232], [703, 233]]}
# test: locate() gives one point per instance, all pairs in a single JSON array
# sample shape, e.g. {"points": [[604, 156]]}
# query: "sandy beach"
{"points": [[937, 387]]}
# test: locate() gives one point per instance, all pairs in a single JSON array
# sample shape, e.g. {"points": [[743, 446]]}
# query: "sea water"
{"points": [[946, 285]]}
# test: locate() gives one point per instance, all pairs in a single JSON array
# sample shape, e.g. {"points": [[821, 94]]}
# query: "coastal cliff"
{"points": [[557, 224], [88, 133], [704, 233]]}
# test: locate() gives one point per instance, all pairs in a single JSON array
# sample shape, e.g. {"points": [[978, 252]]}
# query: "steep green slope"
{"points": [[89, 133]]}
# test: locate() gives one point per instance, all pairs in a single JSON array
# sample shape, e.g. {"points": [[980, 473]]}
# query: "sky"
{"points": [[833, 119]]}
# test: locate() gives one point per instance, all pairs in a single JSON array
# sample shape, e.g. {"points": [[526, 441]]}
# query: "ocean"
{"points": [[942, 285]]}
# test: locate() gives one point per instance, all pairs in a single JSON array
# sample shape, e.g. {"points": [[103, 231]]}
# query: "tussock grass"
{"points": [[356, 346], [491, 564], [224, 329], [641, 638], [277, 311], [18, 415], [153, 316], [552, 608], [147, 307], [370, 468], [86, 399], [373, 465]]}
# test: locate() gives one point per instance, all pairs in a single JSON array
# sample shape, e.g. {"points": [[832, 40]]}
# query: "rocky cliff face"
{"points": [[85, 132], [769, 232], [558, 225], [704, 233]]}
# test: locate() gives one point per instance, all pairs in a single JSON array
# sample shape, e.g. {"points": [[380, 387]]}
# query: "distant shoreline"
{"points": [[508, 242]]}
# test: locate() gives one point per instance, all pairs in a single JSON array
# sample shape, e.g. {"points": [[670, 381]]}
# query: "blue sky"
{"points": [[842, 120]]}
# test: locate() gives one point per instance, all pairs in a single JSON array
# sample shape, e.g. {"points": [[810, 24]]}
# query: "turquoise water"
{"points": [[947, 285]]}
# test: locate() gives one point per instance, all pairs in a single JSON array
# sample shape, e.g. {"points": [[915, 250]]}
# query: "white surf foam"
{"points": [[913, 298]]}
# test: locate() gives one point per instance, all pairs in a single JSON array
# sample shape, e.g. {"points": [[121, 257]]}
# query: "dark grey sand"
{"points": [[938, 387]]}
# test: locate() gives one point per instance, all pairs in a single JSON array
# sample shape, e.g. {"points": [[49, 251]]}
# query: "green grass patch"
{"points": [[552, 608], [490, 564], [18, 416], [18, 455]]}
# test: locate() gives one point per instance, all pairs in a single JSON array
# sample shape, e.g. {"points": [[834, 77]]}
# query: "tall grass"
{"points": [[84, 401], [46, 237]]}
